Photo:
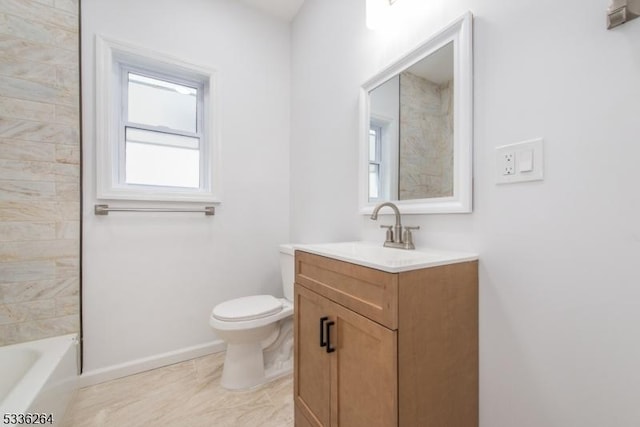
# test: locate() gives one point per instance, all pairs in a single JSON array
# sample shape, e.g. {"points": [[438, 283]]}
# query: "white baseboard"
{"points": [[97, 376]]}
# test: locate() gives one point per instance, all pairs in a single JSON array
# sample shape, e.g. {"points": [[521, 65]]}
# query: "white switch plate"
{"points": [[526, 158]]}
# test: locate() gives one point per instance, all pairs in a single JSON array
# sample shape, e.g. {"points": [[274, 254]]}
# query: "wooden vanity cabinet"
{"points": [[385, 349]]}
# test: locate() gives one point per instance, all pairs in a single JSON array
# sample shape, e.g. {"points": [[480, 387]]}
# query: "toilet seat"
{"points": [[247, 308]]}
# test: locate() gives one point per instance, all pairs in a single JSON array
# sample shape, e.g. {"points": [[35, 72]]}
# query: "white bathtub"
{"points": [[39, 376]]}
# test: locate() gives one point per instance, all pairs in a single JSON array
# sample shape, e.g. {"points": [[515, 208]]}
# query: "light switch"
{"points": [[525, 161]]}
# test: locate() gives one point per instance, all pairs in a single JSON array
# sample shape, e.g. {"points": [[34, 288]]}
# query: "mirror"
{"points": [[416, 144]]}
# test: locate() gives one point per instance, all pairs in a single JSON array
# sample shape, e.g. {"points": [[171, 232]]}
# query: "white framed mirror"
{"points": [[416, 143]]}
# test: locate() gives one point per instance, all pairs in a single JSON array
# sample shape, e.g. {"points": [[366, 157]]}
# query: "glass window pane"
{"points": [[372, 145], [374, 179], [156, 102], [160, 163]]}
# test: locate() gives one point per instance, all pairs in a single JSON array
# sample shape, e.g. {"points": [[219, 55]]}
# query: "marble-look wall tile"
{"points": [[68, 230], [25, 190], [29, 110], [426, 144], [42, 328], [21, 69], [13, 272], [67, 268], [38, 250], [67, 191], [39, 169], [68, 286], [37, 12], [32, 310], [38, 32], [21, 231], [67, 305], [67, 114], [16, 292], [68, 78], [40, 211], [45, 2], [28, 130], [69, 211], [37, 52], [36, 91], [30, 290], [70, 6], [13, 149], [66, 172], [67, 154], [29, 211]]}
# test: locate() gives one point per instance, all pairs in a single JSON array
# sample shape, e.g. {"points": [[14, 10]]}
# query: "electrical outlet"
{"points": [[509, 163]]}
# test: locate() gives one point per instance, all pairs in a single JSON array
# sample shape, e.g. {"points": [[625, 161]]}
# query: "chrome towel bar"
{"points": [[105, 209]]}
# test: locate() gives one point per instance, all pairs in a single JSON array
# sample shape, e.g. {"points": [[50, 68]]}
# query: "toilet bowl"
{"points": [[258, 331]]}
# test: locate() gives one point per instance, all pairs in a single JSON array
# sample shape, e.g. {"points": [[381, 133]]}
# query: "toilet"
{"points": [[258, 331]]}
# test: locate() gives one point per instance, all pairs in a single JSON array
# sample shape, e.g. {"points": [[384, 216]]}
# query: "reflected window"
{"points": [[375, 160]]}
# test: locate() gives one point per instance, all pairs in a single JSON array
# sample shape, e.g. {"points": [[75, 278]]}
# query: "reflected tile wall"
{"points": [[426, 138], [39, 169]]}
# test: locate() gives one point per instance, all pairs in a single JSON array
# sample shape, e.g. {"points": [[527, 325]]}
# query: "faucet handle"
{"points": [[407, 237], [389, 228]]}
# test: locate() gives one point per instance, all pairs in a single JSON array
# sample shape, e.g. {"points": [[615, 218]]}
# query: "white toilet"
{"points": [[258, 331]]}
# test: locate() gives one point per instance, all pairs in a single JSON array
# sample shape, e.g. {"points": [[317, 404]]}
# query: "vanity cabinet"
{"points": [[374, 348]]}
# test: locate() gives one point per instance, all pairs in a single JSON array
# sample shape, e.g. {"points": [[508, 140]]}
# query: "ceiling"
{"points": [[282, 9]]}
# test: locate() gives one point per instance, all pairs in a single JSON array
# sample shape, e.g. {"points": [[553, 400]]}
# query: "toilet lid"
{"points": [[247, 308]]}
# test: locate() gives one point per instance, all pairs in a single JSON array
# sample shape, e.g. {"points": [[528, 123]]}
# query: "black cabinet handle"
{"points": [[329, 348], [323, 343]]}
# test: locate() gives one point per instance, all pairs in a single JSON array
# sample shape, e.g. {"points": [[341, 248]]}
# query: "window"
{"points": [[162, 130], [375, 161], [155, 126]]}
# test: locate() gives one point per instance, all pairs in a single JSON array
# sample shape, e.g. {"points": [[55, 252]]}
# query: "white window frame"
{"points": [[113, 58]]}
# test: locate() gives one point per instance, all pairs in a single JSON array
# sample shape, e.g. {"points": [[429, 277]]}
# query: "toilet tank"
{"points": [[287, 269]]}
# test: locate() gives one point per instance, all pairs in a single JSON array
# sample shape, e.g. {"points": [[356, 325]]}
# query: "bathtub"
{"points": [[39, 376]]}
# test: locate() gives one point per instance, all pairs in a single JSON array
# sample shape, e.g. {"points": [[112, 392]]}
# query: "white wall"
{"points": [[559, 284], [151, 280]]}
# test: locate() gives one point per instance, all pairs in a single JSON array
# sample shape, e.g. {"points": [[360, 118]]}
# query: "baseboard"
{"points": [[97, 376]]}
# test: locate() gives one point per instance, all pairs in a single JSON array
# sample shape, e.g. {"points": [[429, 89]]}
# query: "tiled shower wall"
{"points": [[39, 169], [426, 138]]}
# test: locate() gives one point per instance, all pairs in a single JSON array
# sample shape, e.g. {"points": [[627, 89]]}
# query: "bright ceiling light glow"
{"points": [[376, 12]]}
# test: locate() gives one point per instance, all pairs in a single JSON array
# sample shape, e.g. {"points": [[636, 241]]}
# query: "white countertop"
{"points": [[374, 255]]}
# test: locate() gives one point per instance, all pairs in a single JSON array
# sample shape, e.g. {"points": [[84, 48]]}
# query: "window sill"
{"points": [[159, 195]]}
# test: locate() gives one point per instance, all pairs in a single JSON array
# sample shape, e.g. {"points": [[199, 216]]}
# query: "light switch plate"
{"points": [[528, 162]]}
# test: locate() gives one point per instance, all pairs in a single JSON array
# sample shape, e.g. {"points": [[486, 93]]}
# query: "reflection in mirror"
{"points": [[411, 131], [384, 122], [418, 135]]}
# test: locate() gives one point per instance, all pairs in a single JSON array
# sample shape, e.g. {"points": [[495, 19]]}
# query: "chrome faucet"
{"points": [[397, 237]]}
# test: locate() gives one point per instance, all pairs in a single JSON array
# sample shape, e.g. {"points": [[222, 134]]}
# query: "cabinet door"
{"points": [[312, 368], [354, 383], [363, 371]]}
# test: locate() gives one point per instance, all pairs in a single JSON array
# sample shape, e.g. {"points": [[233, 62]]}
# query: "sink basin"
{"points": [[392, 260]]}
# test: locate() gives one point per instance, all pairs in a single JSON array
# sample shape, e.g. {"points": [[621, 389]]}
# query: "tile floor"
{"points": [[187, 394]]}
